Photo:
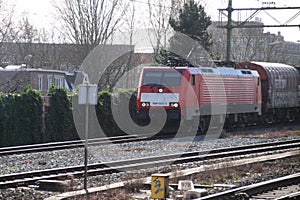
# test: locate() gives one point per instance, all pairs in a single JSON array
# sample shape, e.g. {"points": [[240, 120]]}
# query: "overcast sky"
{"points": [[41, 13]]}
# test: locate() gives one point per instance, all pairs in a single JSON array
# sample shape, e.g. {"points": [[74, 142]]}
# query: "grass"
{"points": [[230, 174], [8, 170], [219, 176]]}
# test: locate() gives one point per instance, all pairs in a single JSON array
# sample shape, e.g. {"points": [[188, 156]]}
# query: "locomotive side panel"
{"points": [[235, 91]]}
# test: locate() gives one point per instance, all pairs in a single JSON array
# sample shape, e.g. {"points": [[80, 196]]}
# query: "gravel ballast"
{"points": [[116, 152], [105, 153]]}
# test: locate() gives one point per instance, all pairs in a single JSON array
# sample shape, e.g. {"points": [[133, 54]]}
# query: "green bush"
{"points": [[104, 109], [59, 117], [21, 118], [104, 114], [32, 115]]}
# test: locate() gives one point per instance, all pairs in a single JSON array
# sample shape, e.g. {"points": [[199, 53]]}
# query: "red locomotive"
{"points": [[246, 94]]}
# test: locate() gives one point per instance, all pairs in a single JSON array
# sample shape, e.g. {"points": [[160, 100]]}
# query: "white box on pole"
{"points": [[87, 94], [93, 94], [82, 93]]}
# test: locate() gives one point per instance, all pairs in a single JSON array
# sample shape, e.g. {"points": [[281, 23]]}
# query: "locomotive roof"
{"points": [[224, 71]]}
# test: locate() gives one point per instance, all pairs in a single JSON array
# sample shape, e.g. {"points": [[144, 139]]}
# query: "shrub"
{"points": [[59, 118], [21, 118]]}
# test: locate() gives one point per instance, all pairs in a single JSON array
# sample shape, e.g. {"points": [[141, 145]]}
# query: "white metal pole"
{"points": [[87, 95], [86, 138]]}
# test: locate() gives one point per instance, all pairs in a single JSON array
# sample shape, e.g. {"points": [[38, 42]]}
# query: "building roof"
{"points": [[24, 68]]}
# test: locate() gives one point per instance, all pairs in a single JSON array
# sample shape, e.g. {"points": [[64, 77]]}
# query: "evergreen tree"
{"points": [[193, 22]]}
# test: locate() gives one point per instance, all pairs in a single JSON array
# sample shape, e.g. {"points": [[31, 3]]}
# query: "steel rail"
{"points": [[67, 144], [25, 178], [95, 141], [256, 188]]}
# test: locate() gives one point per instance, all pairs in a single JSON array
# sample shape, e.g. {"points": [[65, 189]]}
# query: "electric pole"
{"points": [[243, 24], [229, 30]]}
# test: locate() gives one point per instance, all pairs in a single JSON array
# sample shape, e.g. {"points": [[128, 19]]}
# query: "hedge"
{"points": [[59, 117], [21, 116], [104, 109]]}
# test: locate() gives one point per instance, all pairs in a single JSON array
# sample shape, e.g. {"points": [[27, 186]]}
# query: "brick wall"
{"points": [[15, 81]]}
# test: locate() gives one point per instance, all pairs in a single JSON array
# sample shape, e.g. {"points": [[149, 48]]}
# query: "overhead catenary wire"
{"points": [[292, 18]]}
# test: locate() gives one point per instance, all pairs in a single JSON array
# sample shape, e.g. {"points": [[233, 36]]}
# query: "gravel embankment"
{"points": [[113, 152], [250, 173], [106, 153]]}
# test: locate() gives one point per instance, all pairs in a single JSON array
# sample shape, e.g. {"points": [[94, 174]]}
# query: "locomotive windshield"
{"points": [[162, 78]]}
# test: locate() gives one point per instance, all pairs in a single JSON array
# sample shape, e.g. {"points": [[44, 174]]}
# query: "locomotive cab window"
{"points": [[246, 72], [162, 78], [193, 79], [207, 70], [151, 78]]}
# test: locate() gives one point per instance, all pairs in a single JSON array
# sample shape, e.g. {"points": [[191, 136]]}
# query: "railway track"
{"points": [[25, 178], [96, 141], [287, 187], [68, 144]]}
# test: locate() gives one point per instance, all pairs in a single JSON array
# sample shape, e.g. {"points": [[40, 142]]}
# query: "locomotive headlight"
{"points": [[174, 105], [145, 104]]}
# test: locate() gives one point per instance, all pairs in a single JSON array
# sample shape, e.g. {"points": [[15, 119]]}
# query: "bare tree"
{"points": [[247, 44], [122, 65], [130, 21], [6, 22], [159, 14], [25, 35], [89, 23], [12, 82], [6, 26]]}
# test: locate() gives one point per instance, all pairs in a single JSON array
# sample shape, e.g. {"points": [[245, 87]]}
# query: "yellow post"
{"points": [[159, 186]]}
